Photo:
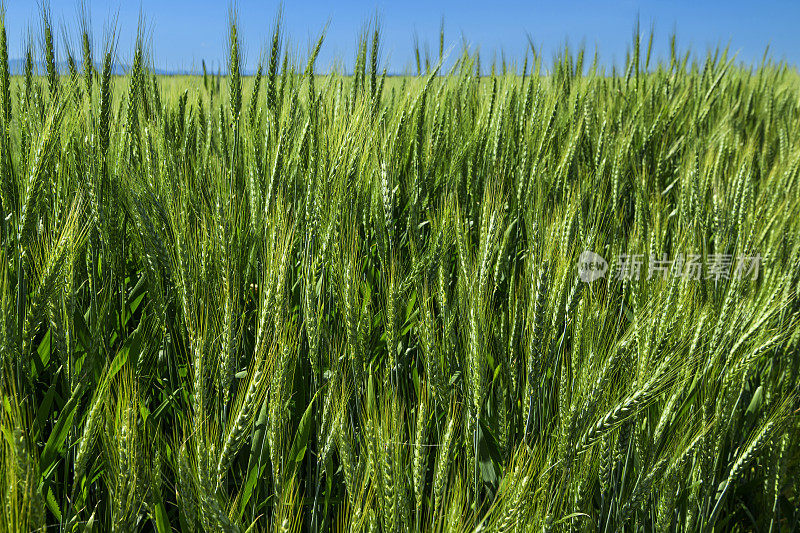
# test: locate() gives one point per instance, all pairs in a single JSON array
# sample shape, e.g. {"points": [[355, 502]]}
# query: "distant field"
{"points": [[173, 86], [563, 301]]}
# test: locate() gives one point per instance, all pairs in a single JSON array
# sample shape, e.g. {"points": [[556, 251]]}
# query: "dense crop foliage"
{"points": [[352, 302]]}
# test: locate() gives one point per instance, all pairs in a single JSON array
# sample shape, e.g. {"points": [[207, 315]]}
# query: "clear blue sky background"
{"points": [[184, 32]]}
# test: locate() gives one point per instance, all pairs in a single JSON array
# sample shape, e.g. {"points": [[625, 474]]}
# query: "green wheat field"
{"points": [[549, 298]]}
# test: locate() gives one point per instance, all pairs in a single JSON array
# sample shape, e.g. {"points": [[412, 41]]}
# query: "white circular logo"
{"points": [[591, 266]]}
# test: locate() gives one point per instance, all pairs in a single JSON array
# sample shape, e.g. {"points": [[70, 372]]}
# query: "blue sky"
{"points": [[184, 32]]}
